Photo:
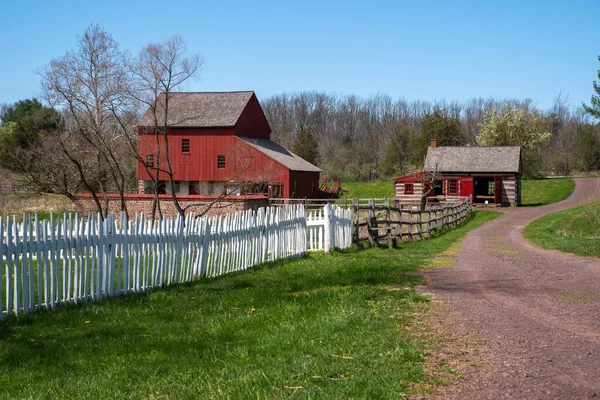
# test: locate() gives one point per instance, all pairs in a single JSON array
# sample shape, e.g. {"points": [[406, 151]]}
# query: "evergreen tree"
{"points": [[307, 147], [594, 107], [390, 162], [439, 125], [398, 151], [587, 144], [22, 124]]}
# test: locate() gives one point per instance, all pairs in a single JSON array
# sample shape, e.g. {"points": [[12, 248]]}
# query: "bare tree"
{"points": [[160, 70], [84, 84], [280, 114], [46, 167], [430, 180]]}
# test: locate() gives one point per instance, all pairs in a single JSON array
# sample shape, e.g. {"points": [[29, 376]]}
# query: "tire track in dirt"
{"points": [[534, 312]]}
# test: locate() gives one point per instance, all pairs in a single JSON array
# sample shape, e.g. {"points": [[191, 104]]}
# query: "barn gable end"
{"points": [[252, 121]]}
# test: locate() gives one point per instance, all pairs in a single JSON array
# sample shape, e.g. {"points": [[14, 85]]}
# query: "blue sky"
{"points": [[424, 50]]}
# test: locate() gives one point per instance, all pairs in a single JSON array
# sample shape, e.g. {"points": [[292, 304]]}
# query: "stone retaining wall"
{"points": [[142, 203]]}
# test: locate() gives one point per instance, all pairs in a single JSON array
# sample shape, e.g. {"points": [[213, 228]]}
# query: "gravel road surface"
{"points": [[534, 312]]}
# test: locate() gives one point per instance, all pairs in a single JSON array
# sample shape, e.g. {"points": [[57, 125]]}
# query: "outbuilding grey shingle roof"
{"points": [[474, 159], [280, 154], [200, 109]]}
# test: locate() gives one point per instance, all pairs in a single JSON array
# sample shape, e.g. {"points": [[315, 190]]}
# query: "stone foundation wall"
{"points": [[142, 203]]}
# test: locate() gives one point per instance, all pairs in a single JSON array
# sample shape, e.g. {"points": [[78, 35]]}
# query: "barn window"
{"points": [[262, 188], [452, 187], [221, 161], [194, 188], [150, 160], [409, 188], [185, 145], [275, 189]]}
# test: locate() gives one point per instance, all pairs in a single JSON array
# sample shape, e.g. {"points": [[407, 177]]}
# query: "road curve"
{"points": [[535, 312]]}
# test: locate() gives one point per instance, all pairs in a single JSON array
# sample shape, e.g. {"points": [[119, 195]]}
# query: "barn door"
{"points": [[466, 186], [498, 189]]}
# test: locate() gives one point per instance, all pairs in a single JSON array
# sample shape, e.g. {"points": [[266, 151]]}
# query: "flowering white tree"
{"points": [[512, 125]]}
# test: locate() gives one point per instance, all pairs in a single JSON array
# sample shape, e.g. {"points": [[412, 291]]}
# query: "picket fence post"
{"points": [[327, 227]]}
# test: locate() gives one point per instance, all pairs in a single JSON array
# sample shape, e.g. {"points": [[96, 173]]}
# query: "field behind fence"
{"points": [[72, 259]]}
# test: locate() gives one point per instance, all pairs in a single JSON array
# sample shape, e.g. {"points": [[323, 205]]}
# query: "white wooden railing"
{"points": [[328, 228], [72, 259]]}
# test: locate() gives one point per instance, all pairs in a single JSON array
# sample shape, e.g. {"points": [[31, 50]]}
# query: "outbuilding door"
{"points": [[485, 189], [466, 186], [498, 189]]}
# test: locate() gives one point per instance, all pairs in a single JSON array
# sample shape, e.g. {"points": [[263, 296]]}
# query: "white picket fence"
{"points": [[71, 259], [337, 234]]}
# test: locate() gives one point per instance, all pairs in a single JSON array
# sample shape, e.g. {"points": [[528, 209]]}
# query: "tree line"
{"points": [[363, 139]]}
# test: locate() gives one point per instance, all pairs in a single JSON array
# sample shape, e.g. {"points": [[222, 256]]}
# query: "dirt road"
{"points": [[534, 312]]}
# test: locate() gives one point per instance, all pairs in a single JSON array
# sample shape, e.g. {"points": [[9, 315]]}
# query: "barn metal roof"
{"points": [[281, 155], [474, 159], [200, 109]]}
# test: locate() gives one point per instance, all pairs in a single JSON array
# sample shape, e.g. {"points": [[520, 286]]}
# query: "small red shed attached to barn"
{"points": [[220, 143], [488, 175]]}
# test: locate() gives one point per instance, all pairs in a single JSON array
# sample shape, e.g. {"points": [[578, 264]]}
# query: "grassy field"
{"points": [[377, 190], [11, 204], [546, 191], [576, 230], [334, 326]]}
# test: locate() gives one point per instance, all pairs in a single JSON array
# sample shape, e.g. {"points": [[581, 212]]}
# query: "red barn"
{"points": [[220, 143]]}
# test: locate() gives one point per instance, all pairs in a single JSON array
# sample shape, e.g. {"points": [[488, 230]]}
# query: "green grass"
{"points": [[534, 193], [576, 230], [368, 190], [324, 326], [546, 191]]}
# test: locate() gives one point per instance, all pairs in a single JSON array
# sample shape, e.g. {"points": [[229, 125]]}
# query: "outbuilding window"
{"points": [[185, 145], [150, 160], [409, 188], [452, 187], [491, 188], [220, 161]]}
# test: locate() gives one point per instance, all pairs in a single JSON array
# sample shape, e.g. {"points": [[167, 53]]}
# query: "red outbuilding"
{"points": [[486, 175], [219, 143]]}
